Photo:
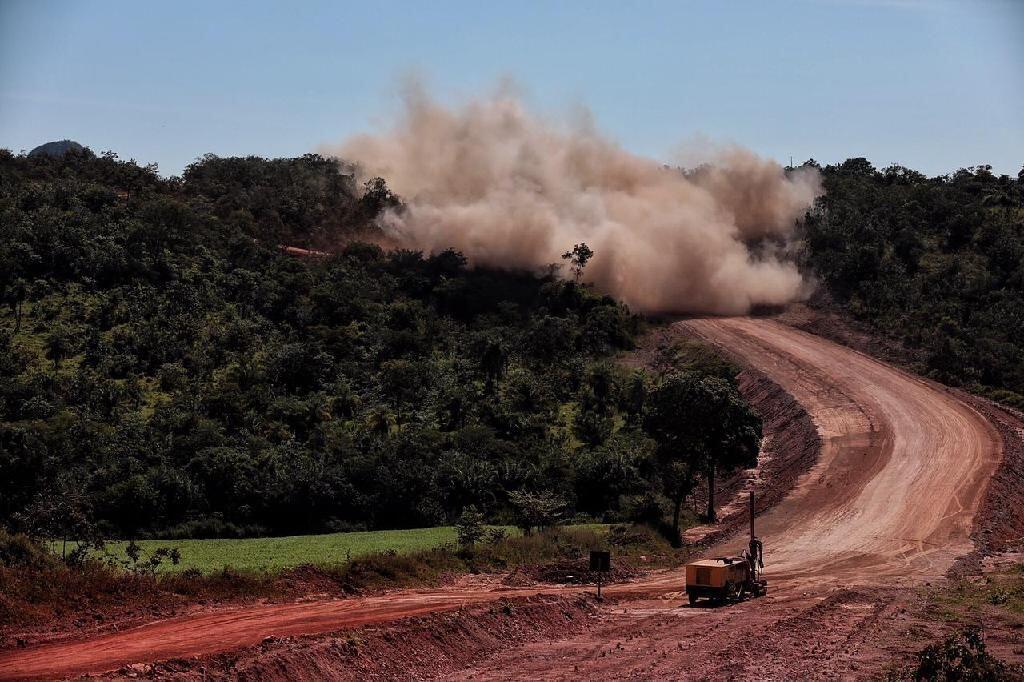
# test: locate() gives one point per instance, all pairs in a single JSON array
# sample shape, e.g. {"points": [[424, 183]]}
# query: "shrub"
{"points": [[19, 550], [215, 527], [470, 527], [636, 537], [390, 569], [493, 536], [962, 656], [536, 510], [1007, 398]]}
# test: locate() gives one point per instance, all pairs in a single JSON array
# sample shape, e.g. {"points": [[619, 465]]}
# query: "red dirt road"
{"points": [[891, 501], [903, 470]]}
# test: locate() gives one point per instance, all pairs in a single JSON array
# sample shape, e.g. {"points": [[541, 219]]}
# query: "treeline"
{"points": [[166, 370], [936, 263]]}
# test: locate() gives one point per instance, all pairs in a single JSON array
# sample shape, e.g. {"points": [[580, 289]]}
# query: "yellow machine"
{"points": [[725, 578], [729, 578]]}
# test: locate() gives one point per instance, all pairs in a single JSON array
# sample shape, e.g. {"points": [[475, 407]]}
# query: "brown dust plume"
{"points": [[507, 188]]}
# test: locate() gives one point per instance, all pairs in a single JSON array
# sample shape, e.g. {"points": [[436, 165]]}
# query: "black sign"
{"points": [[600, 561]]}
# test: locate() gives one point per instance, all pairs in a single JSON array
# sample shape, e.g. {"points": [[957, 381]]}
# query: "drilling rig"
{"points": [[732, 578]]}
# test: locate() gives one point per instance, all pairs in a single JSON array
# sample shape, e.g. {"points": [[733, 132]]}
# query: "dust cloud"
{"points": [[507, 188]]}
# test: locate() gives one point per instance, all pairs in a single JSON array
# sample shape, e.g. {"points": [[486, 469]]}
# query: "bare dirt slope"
{"points": [[903, 469]]}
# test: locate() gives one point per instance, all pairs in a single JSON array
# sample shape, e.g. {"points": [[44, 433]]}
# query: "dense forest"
{"points": [[936, 264], [167, 369]]}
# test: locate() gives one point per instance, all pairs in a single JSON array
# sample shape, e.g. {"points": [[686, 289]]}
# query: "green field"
{"points": [[273, 554]]}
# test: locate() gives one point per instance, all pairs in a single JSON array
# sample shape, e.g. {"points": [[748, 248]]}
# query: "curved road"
{"points": [[893, 495], [902, 471]]}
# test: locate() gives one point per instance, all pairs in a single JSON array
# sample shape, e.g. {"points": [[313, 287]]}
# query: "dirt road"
{"points": [[903, 466], [902, 472], [891, 501]]}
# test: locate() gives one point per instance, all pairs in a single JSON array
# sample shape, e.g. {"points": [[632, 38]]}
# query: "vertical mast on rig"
{"points": [[752, 537], [756, 551]]}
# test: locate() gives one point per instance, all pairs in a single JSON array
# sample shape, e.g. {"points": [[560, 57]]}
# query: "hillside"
{"points": [[934, 264], [56, 148], [168, 370]]}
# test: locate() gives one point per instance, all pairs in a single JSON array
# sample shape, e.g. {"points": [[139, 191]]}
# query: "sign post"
{"points": [[601, 562]]}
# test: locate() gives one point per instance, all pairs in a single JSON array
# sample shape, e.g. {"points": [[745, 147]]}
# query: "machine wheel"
{"points": [[731, 593], [692, 596]]}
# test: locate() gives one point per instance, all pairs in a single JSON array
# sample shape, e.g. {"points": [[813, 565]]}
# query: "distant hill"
{"points": [[57, 148], [224, 388]]}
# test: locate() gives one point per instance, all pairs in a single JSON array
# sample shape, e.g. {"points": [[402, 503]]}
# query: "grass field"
{"points": [[273, 554]]}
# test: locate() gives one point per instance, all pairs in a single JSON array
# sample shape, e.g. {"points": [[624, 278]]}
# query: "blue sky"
{"points": [[931, 84]]}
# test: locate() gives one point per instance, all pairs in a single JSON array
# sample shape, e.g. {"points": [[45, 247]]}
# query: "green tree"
{"points": [[578, 258], [403, 382], [470, 527], [536, 510], [493, 363], [634, 398], [732, 438], [59, 345], [62, 511], [668, 420], [14, 295], [702, 427]]}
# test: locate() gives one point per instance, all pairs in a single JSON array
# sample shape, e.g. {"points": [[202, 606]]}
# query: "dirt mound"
{"points": [[842, 634], [414, 648], [999, 525], [122, 601], [306, 580]]}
